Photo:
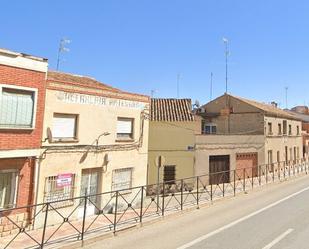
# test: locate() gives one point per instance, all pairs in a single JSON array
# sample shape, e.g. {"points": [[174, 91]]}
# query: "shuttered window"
{"points": [[124, 128], [64, 126], [122, 179], [16, 108], [8, 188]]}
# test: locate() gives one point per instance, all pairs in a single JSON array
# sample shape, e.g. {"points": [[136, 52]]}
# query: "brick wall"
{"points": [[24, 139], [20, 217], [26, 181]]}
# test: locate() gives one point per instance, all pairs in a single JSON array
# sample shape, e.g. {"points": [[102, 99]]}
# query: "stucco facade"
{"points": [[175, 142], [274, 135], [95, 150]]}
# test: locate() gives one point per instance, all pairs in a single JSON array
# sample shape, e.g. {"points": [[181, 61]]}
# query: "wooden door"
{"points": [[219, 169]]}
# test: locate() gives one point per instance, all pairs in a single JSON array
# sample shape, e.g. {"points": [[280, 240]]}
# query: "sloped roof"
{"points": [[303, 117], [79, 79], [171, 110], [267, 108], [83, 84]]}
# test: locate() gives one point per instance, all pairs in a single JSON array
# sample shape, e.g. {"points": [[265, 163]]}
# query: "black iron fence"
{"points": [[47, 224]]}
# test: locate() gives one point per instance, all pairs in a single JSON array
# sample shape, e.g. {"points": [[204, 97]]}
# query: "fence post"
{"points": [[244, 180], [163, 194], [223, 185], [284, 166], [116, 209], [259, 174], [210, 181], [234, 182], [279, 170], [266, 173], [84, 215], [142, 201], [45, 224], [197, 191], [181, 195], [252, 176]]}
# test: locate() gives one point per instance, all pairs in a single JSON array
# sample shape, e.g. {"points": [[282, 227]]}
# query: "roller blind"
{"points": [[124, 126], [16, 108], [64, 126]]}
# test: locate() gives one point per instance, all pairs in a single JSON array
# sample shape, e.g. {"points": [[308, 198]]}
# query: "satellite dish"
{"points": [[49, 135]]}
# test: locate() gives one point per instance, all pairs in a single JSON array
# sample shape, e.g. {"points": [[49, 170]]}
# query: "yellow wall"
{"points": [[171, 140]]}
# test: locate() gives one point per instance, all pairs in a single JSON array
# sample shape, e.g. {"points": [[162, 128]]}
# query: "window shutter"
{"points": [[64, 126], [16, 108], [124, 126]]}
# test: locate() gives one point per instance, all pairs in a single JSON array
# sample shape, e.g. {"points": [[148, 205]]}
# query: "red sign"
{"points": [[64, 180]]}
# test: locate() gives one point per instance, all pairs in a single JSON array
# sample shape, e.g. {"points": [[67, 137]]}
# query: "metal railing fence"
{"points": [[45, 224]]}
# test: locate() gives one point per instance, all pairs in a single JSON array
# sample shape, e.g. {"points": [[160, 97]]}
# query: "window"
{"points": [[270, 157], [169, 174], [125, 128], [208, 128], [17, 108], [290, 130], [284, 127], [270, 128], [122, 179], [59, 188], [297, 129], [278, 156], [8, 188], [64, 127], [279, 129]]}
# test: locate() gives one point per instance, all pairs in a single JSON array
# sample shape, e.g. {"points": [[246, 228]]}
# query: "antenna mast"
{"points": [[226, 57], [286, 97], [211, 74], [62, 48]]}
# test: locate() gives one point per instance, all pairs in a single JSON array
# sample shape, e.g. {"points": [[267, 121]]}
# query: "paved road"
{"points": [[275, 216]]}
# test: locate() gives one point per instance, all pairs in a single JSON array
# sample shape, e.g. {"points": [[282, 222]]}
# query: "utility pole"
{"points": [[286, 97], [211, 74], [62, 48], [226, 57]]}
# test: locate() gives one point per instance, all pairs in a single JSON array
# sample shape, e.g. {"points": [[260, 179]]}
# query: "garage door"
{"points": [[247, 161], [219, 167]]}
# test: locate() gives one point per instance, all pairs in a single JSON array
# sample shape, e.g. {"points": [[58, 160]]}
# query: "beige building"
{"points": [[95, 140], [239, 133], [172, 130]]}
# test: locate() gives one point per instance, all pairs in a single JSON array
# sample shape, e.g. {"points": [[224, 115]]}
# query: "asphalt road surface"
{"points": [[274, 216]]}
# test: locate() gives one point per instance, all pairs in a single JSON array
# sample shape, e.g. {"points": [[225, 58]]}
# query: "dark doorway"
{"points": [[219, 169]]}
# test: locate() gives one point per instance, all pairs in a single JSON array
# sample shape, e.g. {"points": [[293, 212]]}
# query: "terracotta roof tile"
{"points": [[171, 110]]}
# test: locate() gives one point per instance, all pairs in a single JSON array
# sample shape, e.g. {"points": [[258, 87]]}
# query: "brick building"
{"points": [[22, 93]]}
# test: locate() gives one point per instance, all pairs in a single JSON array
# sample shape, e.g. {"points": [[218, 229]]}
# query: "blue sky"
{"points": [[140, 45]]}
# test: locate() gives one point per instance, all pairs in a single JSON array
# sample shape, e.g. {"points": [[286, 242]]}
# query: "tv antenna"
{"points": [[227, 53], [62, 48], [211, 75], [286, 97]]}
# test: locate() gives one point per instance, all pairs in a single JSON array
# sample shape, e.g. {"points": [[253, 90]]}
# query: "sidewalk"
{"points": [[101, 224]]}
